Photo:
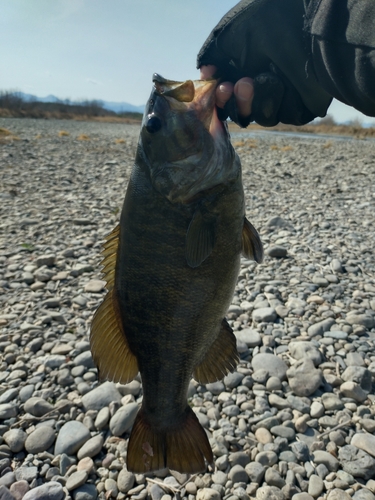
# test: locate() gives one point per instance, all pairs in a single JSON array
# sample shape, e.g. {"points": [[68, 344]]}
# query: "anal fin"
{"points": [[252, 247], [183, 447], [109, 347], [221, 358]]}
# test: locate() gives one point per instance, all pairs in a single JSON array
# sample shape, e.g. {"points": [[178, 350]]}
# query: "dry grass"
{"points": [[120, 141], [63, 133], [286, 148], [83, 137], [6, 136], [274, 147], [328, 144], [324, 129]]}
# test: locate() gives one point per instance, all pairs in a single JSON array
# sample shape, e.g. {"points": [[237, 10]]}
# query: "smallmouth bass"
{"points": [[171, 267]]}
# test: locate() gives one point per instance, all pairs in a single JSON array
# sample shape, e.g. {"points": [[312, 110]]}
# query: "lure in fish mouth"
{"points": [[171, 267]]}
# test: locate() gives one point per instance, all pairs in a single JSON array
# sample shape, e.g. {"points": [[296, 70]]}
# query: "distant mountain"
{"points": [[117, 107]]}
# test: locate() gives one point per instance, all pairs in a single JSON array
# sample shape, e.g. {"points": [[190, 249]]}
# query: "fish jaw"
{"points": [[184, 145]]}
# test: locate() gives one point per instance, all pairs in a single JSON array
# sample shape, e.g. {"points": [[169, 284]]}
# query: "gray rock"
{"points": [[269, 493], [354, 391], [365, 442], [338, 494], [102, 418], [91, 448], [325, 458], [37, 406], [264, 315], [274, 365], [25, 473], [48, 491], [125, 480], [232, 380], [123, 419], [363, 494], [85, 492], [249, 336], [8, 395], [276, 251], [8, 410], [237, 474], [303, 378], [360, 375], [208, 494], [255, 471], [316, 486], [273, 478], [283, 431], [366, 320], [305, 350], [54, 361], [71, 437], [332, 402], [266, 458], [320, 327], [76, 480], [7, 479], [101, 396], [5, 494], [216, 387], [239, 458], [279, 222], [40, 440], [26, 392], [356, 462], [84, 359], [15, 439]]}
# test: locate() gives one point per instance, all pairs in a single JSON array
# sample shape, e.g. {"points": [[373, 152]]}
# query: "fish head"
{"points": [[184, 145]]}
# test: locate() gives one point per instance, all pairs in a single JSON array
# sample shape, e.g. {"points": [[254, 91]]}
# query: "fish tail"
{"points": [[183, 447]]}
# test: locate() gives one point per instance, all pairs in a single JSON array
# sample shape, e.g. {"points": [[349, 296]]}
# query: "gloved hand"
{"points": [[264, 40]]}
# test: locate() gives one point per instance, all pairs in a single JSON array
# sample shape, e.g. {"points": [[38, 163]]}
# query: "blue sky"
{"points": [[106, 49]]}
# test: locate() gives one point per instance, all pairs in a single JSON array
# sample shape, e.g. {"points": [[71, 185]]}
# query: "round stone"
{"points": [[40, 440]]}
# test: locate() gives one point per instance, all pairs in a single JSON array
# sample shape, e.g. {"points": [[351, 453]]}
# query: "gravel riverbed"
{"points": [[295, 421]]}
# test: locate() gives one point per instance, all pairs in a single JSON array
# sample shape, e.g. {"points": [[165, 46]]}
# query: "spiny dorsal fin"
{"points": [[252, 247], [221, 358], [200, 238], [109, 253], [109, 347]]}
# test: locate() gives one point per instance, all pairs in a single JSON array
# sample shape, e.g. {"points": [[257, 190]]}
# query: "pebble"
{"points": [[40, 440], [47, 491], [123, 419], [307, 312], [275, 366], [71, 437], [303, 378]]}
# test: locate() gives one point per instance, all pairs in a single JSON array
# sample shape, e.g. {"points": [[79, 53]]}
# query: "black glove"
{"points": [[264, 39]]}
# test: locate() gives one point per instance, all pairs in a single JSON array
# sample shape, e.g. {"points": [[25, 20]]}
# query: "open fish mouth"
{"points": [[198, 95]]}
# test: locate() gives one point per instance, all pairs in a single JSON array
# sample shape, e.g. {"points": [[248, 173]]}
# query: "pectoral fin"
{"points": [[200, 238], [252, 247], [109, 345], [221, 358]]}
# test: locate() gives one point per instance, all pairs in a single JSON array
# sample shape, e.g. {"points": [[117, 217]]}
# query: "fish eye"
{"points": [[153, 124]]}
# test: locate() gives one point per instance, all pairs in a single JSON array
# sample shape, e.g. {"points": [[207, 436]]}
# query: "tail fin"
{"points": [[182, 448]]}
